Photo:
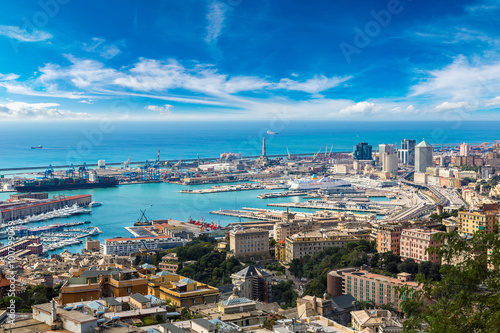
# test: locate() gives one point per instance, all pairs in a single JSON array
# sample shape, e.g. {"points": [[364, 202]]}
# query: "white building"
{"points": [[127, 246], [423, 156], [464, 149], [390, 163]]}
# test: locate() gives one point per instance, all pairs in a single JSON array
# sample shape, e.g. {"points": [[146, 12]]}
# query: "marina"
{"points": [[57, 213]]}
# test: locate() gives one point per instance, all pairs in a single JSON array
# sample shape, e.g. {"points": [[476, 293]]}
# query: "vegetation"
{"points": [[466, 299], [35, 295], [444, 215], [151, 320], [275, 266], [284, 294], [315, 268], [487, 184], [391, 264], [469, 168]]}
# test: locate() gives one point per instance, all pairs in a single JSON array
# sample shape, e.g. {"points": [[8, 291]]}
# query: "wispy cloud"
{"points": [[493, 101], [23, 35], [163, 110], [314, 85], [102, 47], [215, 17], [41, 111], [8, 77]]}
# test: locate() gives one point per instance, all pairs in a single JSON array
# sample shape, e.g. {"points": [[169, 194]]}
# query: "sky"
{"points": [[249, 59]]}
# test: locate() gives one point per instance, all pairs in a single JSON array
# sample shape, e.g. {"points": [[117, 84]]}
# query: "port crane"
{"points": [[70, 172], [317, 153], [49, 173], [126, 163], [83, 171], [288, 153]]}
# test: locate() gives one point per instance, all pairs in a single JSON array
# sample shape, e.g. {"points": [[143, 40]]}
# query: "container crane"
{"points": [[70, 172], [49, 173], [83, 171]]}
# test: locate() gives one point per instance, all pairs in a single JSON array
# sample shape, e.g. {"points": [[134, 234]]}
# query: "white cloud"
{"points": [[8, 77], [23, 35], [314, 85], [493, 102], [160, 109], [215, 17], [41, 111], [359, 109], [104, 49], [446, 106], [462, 79]]}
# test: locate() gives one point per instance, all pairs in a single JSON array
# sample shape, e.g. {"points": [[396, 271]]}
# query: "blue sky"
{"points": [[242, 59]]}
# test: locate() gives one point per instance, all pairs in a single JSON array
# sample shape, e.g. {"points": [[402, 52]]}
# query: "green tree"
{"points": [[466, 298]]}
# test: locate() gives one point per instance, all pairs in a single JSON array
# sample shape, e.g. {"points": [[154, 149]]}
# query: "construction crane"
{"points": [[70, 172], [49, 173]]}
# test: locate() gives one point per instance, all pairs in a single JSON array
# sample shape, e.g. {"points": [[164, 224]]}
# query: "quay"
{"points": [[226, 188], [325, 205], [256, 213], [282, 194]]}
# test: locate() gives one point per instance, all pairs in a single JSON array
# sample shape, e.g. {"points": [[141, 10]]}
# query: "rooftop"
{"points": [[70, 315]]}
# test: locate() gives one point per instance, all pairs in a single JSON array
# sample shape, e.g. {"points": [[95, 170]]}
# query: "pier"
{"points": [[282, 194], [328, 205], [226, 188]]}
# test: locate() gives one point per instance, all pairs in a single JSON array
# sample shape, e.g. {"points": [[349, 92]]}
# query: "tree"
{"points": [[466, 298]]}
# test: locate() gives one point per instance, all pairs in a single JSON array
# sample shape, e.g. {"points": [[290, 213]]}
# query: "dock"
{"points": [[337, 206], [281, 194], [226, 188], [255, 213]]}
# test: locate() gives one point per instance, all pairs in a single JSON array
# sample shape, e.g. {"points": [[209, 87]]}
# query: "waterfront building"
{"points": [[299, 245], [181, 291], [407, 152], [362, 151], [102, 281], [253, 283], [366, 286], [250, 243], [25, 245], [388, 239], [127, 246], [415, 242], [472, 221], [423, 156]]}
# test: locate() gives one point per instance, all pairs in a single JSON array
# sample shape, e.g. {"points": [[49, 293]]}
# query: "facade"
{"points": [[92, 245], [366, 286], [126, 246], [362, 151], [253, 283], [390, 163], [414, 242], [388, 239], [302, 244], [61, 319], [180, 290], [407, 152], [423, 156], [470, 222], [249, 243], [107, 281], [20, 245], [464, 149], [282, 230], [375, 321]]}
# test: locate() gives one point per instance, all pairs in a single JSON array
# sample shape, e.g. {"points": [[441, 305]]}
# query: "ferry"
{"points": [[271, 133], [316, 184], [37, 147]]}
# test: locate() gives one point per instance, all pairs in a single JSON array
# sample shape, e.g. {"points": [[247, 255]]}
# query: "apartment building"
{"points": [[388, 239], [180, 290], [366, 286], [415, 242], [472, 221], [126, 246], [105, 281], [249, 243], [302, 244]]}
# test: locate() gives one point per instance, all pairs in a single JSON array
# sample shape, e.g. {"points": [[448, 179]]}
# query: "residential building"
{"points": [[366, 286], [390, 163], [127, 246], [279, 250], [472, 221], [93, 283], [253, 283], [464, 149], [302, 244], [362, 151], [180, 290], [61, 319], [375, 321], [388, 239], [308, 306], [251, 243], [415, 242], [92, 245], [423, 156]]}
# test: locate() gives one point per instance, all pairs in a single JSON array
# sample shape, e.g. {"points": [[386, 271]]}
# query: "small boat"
{"points": [[37, 147], [95, 204], [271, 133]]}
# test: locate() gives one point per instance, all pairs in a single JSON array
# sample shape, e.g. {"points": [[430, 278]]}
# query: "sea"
{"points": [[77, 142]]}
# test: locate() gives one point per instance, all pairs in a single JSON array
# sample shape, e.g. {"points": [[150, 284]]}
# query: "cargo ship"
{"points": [[59, 184]]}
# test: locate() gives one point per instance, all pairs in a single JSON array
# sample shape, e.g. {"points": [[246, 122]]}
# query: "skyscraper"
{"points": [[407, 152], [362, 151], [423, 156], [464, 149]]}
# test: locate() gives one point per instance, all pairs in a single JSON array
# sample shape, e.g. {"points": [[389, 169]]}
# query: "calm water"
{"points": [[76, 143]]}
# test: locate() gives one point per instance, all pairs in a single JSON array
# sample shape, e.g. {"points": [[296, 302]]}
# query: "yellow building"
{"points": [[107, 281], [279, 251], [302, 244], [180, 290], [249, 243], [470, 222]]}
